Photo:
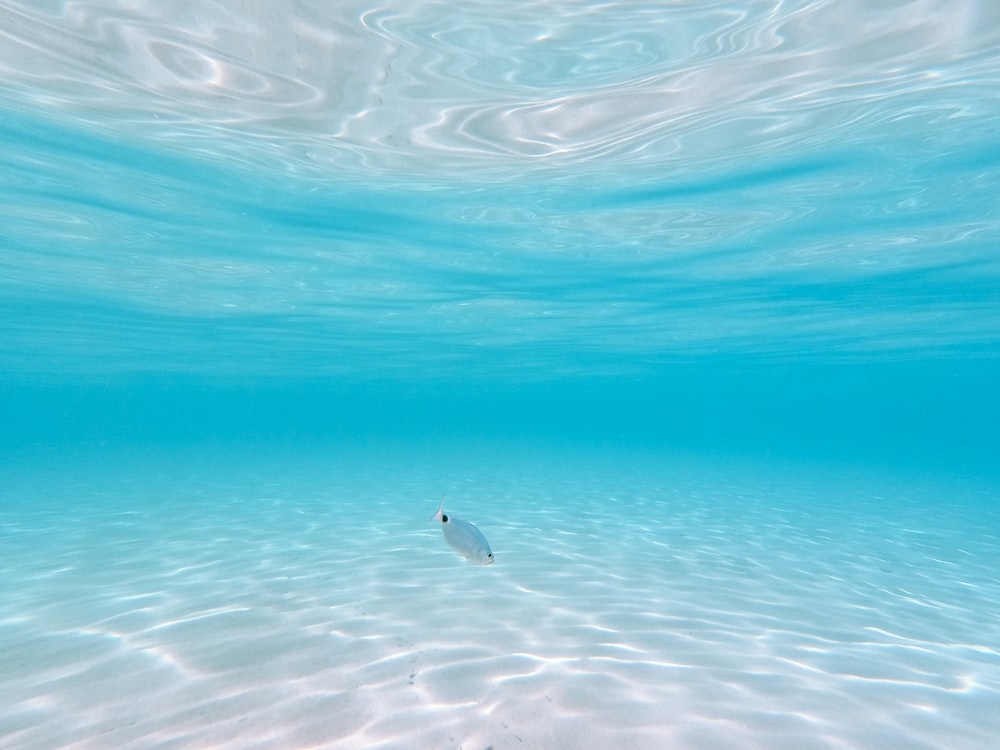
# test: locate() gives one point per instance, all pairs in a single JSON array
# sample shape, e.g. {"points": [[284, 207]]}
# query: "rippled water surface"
{"points": [[524, 189]]}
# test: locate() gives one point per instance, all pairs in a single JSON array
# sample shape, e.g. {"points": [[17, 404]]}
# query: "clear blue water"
{"points": [[843, 289], [554, 240]]}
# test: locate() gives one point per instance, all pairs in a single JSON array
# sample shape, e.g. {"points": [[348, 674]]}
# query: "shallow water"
{"points": [[309, 603], [694, 309]]}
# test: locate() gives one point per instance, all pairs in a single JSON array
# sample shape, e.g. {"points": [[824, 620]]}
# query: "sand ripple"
{"points": [[622, 612]]}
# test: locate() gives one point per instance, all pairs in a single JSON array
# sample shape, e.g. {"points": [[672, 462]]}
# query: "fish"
{"points": [[464, 537]]}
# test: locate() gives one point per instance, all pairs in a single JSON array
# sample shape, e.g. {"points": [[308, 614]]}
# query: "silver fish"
{"points": [[464, 538]]}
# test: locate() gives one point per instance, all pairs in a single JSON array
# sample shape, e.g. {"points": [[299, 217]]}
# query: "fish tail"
{"points": [[439, 513]]}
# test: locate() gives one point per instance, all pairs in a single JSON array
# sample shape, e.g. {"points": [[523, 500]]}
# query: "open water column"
{"points": [[684, 316]]}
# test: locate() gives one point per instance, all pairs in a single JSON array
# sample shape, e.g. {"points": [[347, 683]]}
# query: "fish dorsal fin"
{"points": [[439, 513]]}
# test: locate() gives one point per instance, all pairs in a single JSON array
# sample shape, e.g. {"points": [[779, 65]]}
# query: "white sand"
{"points": [[631, 606]]}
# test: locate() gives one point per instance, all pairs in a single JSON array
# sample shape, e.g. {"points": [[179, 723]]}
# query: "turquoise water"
{"points": [[728, 270], [832, 292], [696, 222]]}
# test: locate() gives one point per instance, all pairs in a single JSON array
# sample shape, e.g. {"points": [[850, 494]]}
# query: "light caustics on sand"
{"points": [[695, 616]]}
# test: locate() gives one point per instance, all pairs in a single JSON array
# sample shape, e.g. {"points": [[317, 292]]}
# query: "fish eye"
{"points": [[444, 518]]}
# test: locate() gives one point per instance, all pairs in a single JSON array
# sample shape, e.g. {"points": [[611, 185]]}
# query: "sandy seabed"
{"points": [[631, 606]]}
